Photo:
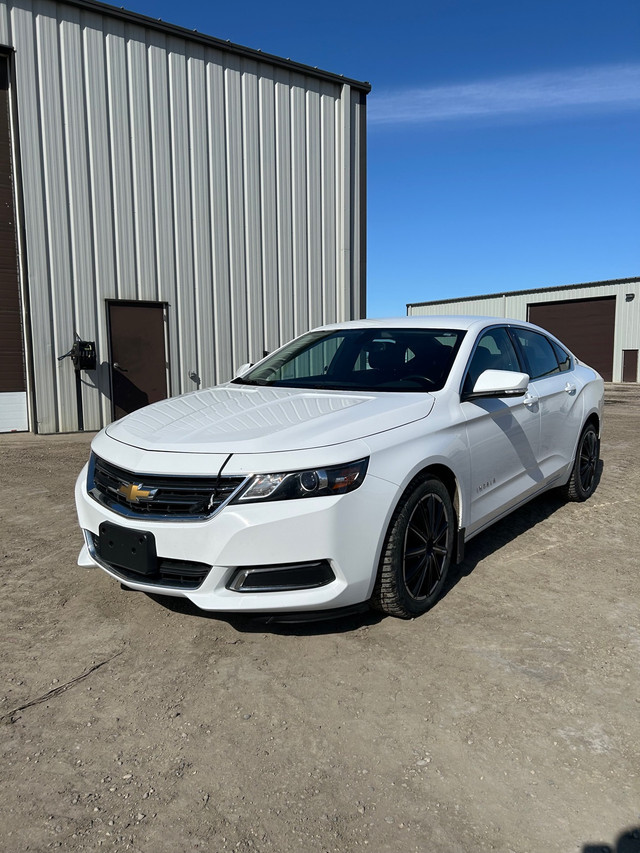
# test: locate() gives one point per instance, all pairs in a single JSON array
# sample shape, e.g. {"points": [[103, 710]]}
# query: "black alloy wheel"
{"points": [[588, 460], [417, 551], [583, 479]]}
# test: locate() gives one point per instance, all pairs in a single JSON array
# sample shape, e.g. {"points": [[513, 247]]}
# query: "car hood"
{"points": [[239, 419]]}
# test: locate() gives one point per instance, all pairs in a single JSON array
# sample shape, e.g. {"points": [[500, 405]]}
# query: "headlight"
{"points": [[311, 483]]}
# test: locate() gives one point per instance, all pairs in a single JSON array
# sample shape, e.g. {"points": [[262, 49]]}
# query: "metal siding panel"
{"points": [[23, 27], [627, 321], [5, 26], [314, 205], [141, 163], [360, 205], [514, 306], [357, 206], [329, 210], [78, 188], [163, 202], [353, 283], [56, 210], [102, 223], [344, 248], [284, 207], [120, 139], [268, 212], [472, 307], [299, 206], [252, 212], [196, 70], [219, 218], [235, 208], [183, 318]]}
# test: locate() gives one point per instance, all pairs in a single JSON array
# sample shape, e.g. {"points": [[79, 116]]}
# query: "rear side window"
{"points": [[564, 359], [539, 354]]}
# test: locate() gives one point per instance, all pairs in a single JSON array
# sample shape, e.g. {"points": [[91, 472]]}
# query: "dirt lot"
{"points": [[508, 718]]}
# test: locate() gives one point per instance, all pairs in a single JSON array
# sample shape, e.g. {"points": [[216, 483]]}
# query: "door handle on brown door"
{"points": [[119, 367]]}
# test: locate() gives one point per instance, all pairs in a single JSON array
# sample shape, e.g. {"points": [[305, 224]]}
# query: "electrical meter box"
{"points": [[83, 355]]}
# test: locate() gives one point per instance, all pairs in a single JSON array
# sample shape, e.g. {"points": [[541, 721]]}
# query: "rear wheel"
{"points": [[582, 482], [417, 551]]}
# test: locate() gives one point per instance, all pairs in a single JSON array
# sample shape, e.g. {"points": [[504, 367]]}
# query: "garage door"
{"points": [[586, 326]]}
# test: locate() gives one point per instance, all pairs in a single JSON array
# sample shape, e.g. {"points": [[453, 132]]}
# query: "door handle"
{"points": [[530, 399], [570, 388], [118, 367]]}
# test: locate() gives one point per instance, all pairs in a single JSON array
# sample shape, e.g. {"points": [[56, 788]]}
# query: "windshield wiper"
{"points": [[240, 381]]}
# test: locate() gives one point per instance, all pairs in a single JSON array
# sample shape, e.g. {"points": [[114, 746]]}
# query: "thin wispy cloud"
{"points": [[529, 95]]}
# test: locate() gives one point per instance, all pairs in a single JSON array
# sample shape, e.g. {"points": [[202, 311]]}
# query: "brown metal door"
{"points": [[629, 365], [138, 355], [12, 372], [586, 326]]}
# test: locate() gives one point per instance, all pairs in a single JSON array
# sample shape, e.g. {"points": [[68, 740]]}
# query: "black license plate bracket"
{"points": [[133, 550]]}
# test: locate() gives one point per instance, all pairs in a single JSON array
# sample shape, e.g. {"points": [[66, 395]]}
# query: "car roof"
{"points": [[444, 321]]}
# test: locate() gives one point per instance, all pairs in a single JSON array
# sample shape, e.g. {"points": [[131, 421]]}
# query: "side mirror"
{"points": [[244, 368], [499, 383]]}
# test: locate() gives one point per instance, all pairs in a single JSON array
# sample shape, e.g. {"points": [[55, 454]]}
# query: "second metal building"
{"points": [[182, 202], [598, 321]]}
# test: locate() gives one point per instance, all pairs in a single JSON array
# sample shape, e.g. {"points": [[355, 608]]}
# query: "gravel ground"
{"points": [[507, 718]]}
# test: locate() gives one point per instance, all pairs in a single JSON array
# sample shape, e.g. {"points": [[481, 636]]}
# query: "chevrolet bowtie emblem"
{"points": [[133, 493]]}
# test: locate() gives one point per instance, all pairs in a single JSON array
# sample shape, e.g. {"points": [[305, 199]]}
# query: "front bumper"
{"points": [[344, 532]]}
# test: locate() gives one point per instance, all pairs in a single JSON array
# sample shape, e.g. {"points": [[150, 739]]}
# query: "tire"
{"points": [[417, 551], [583, 479]]}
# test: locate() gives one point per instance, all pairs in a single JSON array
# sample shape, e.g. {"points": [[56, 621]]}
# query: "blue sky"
{"points": [[503, 137]]}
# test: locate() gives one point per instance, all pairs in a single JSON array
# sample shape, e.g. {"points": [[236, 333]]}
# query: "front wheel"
{"points": [[417, 551], [582, 482]]}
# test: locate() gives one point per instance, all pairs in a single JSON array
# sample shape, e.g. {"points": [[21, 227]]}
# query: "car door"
{"points": [[556, 387], [503, 436]]}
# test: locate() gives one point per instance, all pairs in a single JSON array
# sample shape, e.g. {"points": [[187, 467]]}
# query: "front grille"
{"points": [[182, 574], [158, 496]]}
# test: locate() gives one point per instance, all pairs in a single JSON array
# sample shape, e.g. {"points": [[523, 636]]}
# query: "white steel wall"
{"points": [[515, 305], [154, 167]]}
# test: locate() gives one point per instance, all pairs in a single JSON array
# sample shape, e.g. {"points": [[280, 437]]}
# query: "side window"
{"points": [[564, 359], [538, 353], [495, 351]]}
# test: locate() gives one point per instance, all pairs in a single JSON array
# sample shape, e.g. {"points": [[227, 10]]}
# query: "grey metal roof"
{"points": [[220, 44], [521, 292]]}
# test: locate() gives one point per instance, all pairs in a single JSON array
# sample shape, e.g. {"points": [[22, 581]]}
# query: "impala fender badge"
{"points": [[484, 486]]}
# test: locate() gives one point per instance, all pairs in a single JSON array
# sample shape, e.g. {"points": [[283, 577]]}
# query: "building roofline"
{"points": [[210, 41], [521, 292]]}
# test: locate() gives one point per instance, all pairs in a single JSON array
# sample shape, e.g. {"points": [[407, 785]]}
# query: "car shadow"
{"points": [[627, 842], [298, 624], [352, 619], [507, 530]]}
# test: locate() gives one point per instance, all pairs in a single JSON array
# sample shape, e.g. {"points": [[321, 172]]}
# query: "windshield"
{"points": [[361, 360]]}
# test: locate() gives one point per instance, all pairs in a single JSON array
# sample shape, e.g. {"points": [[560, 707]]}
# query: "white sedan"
{"points": [[349, 467]]}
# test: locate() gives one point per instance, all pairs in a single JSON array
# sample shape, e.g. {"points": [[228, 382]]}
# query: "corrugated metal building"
{"points": [[599, 321], [183, 202]]}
